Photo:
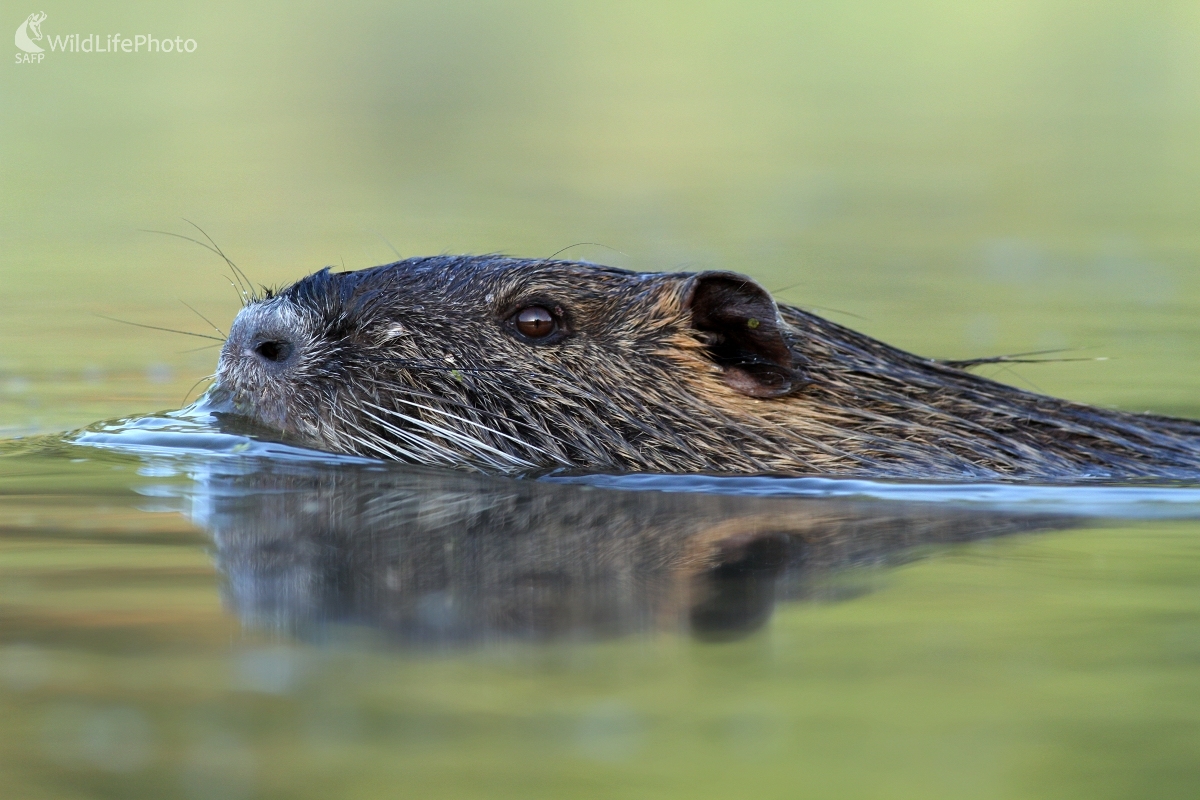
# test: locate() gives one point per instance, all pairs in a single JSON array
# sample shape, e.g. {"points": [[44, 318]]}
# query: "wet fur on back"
{"points": [[646, 372]]}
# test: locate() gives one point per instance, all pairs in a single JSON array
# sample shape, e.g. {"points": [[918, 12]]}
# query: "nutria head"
{"points": [[499, 363], [509, 365]]}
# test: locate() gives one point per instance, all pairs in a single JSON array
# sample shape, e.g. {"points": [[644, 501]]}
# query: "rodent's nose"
{"points": [[275, 351], [266, 335]]}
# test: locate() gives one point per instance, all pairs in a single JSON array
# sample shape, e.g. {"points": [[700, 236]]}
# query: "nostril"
{"points": [[273, 351]]}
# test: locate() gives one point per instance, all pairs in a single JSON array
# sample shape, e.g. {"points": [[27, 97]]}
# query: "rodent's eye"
{"points": [[535, 322]]}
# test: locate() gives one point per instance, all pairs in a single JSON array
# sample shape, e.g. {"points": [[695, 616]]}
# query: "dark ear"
{"points": [[741, 326]]}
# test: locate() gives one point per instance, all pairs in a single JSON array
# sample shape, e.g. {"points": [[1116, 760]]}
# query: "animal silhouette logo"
{"points": [[30, 31]]}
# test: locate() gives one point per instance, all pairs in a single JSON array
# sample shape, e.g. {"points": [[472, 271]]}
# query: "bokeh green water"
{"points": [[960, 179], [1040, 665]]}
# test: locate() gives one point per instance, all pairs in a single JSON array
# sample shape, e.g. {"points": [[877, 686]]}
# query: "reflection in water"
{"points": [[435, 557], [121, 676]]}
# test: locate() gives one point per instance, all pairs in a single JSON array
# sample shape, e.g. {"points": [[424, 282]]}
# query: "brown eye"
{"points": [[535, 322]]}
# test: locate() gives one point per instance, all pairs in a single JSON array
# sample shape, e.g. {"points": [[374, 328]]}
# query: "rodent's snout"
{"points": [[260, 364], [267, 336], [273, 350]]}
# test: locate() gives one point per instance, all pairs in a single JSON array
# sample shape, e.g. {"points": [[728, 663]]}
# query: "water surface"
{"points": [[206, 615]]}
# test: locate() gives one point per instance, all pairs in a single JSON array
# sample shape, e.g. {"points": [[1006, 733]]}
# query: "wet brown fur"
{"points": [[664, 372]]}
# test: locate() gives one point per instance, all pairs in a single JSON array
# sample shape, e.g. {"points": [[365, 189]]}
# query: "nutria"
{"points": [[507, 365]]}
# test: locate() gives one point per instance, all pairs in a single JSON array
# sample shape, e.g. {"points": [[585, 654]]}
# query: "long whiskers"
{"points": [[464, 420], [209, 378], [415, 438], [206, 319], [427, 451], [384, 448], [476, 446], [1014, 358], [244, 286], [413, 392], [157, 328]]}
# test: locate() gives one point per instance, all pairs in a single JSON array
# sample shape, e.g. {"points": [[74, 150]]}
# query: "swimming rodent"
{"points": [[508, 365]]}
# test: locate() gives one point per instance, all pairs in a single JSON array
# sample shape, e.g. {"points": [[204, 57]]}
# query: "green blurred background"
{"points": [[963, 178]]}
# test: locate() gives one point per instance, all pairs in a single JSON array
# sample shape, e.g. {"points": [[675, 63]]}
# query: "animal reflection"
{"points": [[435, 557]]}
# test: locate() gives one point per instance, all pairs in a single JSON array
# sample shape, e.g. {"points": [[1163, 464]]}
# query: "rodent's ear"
{"points": [[742, 328]]}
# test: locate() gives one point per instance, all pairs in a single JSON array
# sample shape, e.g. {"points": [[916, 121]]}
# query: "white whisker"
{"points": [[383, 447], [479, 448], [464, 420], [433, 450]]}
